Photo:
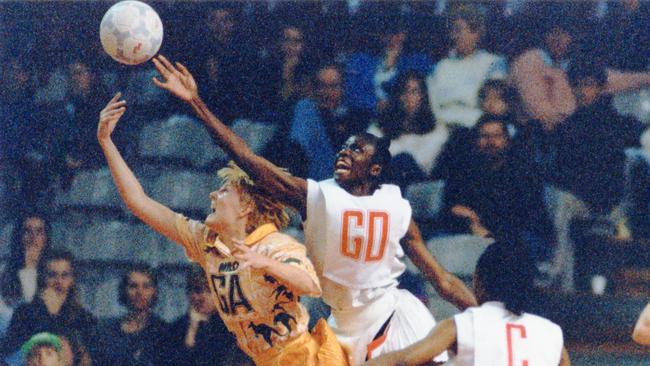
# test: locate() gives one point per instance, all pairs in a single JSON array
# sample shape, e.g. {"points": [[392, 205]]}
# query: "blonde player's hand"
{"points": [[177, 79], [250, 258], [109, 116]]}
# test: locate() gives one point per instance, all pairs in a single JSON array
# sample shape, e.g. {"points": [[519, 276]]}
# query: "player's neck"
{"points": [[235, 232], [360, 189]]}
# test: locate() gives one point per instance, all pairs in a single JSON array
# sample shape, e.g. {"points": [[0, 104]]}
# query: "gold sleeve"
{"points": [[288, 251], [191, 233]]}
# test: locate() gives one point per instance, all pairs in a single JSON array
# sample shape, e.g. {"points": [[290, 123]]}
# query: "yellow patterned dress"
{"points": [[264, 314]]}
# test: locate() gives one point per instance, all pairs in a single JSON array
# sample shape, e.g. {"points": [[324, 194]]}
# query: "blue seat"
{"points": [[92, 189], [426, 199], [180, 137], [185, 190], [6, 232]]}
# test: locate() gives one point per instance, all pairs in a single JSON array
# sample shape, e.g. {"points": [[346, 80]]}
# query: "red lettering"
{"points": [[509, 331]]}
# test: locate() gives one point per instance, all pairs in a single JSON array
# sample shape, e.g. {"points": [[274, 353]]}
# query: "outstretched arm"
{"points": [[440, 339], [152, 213], [450, 287], [641, 333], [289, 189]]}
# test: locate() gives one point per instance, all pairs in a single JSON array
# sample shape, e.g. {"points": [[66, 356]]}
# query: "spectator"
{"points": [[496, 194], [539, 74], [590, 145], [228, 64], [43, 349], [589, 161], [415, 139], [497, 98], [196, 335], [322, 124], [455, 81], [368, 73], [30, 243], [81, 106], [138, 338], [56, 309], [289, 67]]}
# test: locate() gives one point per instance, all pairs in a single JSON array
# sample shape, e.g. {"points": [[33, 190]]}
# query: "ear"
{"points": [[375, 170]]}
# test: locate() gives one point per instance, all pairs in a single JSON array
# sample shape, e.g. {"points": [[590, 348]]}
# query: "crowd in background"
{"points": [[498, 99]]}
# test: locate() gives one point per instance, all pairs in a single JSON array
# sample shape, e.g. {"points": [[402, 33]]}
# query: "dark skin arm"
{"points": [[287, 188], [450, 287]]}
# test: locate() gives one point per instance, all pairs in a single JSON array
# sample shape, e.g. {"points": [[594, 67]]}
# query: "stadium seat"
{"points": [[181, 138], [458, 253], [92, 189], [98, 289], [425, 199], [172, 300], [185, 190], [6, 232], [69, 230], [109, 241]]}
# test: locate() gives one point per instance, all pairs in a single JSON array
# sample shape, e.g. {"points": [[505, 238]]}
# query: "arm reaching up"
{"points": [[152, 213], [289, 189], [450, 287]]}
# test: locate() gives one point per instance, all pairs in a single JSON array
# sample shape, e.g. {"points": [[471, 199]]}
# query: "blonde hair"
{"points": [[265, 209]]}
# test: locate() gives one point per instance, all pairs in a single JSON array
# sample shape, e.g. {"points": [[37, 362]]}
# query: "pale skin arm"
{"points": [[441, 338], [641, 333], [296, 278], [285, 187], [618, 81], [152, 213], [450, 287]]}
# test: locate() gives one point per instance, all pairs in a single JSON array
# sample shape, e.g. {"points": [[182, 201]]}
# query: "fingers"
{"points": [[115, 97], [239, 245], [183, 69], [158, 83], [162, 70], [167, 64]]}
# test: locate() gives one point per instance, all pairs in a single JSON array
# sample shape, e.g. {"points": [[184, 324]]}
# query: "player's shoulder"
{"points": [[541, 321], [279, 240]]}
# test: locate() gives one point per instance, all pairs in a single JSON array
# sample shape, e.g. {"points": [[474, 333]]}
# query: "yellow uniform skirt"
{"points": [[318, 348]]}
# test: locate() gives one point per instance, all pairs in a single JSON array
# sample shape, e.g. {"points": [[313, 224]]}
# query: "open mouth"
{"points": [[341, 166]]}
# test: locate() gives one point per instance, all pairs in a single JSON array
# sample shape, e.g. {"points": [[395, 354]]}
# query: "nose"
{"points": [[213, 195], [344, 151]]}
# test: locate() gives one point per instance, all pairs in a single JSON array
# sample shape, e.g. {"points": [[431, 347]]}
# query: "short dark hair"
{"points": [[491, 118], [505, 272], [507, 92], [381, 144], [143, 268], [585, 68], [51, 256], [472, 15]]}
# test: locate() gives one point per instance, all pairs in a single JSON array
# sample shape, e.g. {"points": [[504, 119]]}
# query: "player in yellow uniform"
{"points": [[256, 273]]}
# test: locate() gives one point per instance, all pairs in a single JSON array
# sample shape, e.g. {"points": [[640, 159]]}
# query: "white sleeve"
{"points": [[314, 198]]}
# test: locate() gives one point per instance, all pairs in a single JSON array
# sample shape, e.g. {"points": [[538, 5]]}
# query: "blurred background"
{"points": [[514, 119]]}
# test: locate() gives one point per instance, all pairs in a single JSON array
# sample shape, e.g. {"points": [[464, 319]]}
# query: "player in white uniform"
{"points": [[355, 230], [497, 333]]}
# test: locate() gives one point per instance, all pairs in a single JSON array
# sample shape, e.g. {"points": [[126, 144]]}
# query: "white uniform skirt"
{"points": [[355, 328]]}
